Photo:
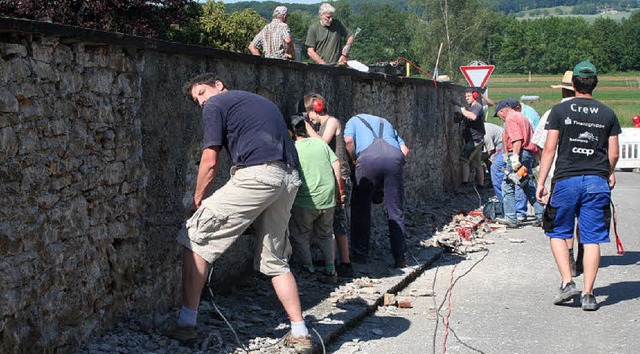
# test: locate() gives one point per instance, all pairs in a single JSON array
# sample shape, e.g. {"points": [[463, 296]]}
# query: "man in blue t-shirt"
{"points": [[263, 184], [585, 132], [379, 154]]}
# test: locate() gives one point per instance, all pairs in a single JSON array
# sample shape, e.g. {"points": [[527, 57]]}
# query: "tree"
{"points": [[216, 28], [630, 46], [137, 17], [460, 25], [384, 36], [299, 23]]}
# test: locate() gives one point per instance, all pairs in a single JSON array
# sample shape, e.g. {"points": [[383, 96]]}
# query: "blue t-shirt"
{"points": [[250, 127], [363, 137]]}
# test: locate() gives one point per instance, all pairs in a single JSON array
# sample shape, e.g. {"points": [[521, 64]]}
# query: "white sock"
{"points": [[299, 329], [187, 317]]}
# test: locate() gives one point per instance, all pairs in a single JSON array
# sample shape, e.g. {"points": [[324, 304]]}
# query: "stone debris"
{"points": [[421, 292], [516, 240], [257, 317]]}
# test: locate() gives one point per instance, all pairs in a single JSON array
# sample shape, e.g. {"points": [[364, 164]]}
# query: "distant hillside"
{"points": [[265, 9], [517, 7]]}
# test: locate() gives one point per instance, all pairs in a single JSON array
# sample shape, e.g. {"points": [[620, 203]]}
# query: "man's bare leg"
{"points": [[464, 166], [561, 255], [287, 290], [342, 243], [591, 263], [194, 276]]}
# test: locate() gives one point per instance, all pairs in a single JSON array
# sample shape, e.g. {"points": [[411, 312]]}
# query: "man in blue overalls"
{"points": [[379, 155]]}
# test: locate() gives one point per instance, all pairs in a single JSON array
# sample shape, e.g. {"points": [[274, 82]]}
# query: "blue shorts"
{"points": [[586, 197]]}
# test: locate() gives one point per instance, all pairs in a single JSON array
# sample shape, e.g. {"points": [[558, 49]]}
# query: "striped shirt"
{"points": [[271, 39]]}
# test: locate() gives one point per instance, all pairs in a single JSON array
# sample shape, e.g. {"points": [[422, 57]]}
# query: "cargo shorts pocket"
{"points": [[203, 224], [607, 216], [549, 218]]}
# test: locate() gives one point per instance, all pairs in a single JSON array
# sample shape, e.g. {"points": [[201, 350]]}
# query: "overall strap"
{"points": [[380, 130], [368, 126]]}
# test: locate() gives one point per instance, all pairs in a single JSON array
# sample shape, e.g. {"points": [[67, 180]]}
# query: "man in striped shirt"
{"points": [[275, 38]]}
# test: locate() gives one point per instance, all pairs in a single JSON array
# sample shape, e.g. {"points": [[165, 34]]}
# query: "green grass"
{"points": [[620, 91], [526, 15]]}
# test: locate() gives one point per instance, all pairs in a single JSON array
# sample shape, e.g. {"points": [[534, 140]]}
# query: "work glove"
{"points": [[515, 162]]}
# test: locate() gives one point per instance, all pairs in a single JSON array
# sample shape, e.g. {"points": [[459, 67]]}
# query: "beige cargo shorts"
{"points": [[262, 195]]}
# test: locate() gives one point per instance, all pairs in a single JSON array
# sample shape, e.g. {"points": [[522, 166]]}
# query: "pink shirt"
{"points": [[517, 127]]}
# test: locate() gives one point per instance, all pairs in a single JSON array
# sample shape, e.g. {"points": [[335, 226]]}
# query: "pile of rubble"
{"points": [[247, 317]]}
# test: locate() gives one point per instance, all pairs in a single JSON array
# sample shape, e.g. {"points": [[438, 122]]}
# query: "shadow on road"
{"points": [[618, 292], [628, 259]]}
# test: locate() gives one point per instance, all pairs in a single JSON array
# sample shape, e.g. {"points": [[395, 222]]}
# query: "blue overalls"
{"points": [[380, 164]]}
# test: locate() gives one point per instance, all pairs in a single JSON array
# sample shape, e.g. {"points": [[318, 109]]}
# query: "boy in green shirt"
{"points": [[312, 211]]}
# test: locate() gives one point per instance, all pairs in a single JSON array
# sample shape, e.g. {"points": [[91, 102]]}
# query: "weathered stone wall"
{"points": [[98, 152]]}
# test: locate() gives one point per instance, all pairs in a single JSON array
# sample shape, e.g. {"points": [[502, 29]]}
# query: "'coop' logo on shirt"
{"points": [[583, 151]]}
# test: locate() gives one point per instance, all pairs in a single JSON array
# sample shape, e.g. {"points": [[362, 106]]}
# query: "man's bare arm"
{"points": [[311, 51], [613, 159], [206, 173], [253, 49]]}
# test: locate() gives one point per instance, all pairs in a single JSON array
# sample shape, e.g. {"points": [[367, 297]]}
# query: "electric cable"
{"points": [[242, 346], [447, 296], [221, 315]]}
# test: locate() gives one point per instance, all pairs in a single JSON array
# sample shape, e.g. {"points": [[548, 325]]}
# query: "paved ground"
{"points": [[501, 299]]}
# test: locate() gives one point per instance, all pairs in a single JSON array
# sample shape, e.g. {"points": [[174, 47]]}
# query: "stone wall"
{"points": [[98, 152]]}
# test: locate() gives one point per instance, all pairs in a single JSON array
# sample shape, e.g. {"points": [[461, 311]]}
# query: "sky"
{"points": [[278, 1]]}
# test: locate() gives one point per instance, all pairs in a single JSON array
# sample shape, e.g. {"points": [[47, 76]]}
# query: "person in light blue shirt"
{"points": [[379, 154]]}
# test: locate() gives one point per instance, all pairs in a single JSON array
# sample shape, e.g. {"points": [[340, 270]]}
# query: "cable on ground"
{"points": [[447, 298]]}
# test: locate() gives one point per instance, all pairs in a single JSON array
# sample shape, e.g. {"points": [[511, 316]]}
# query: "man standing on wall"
{"points": [[264, 182], [585, 132], [325, 38], [379, 154], [274, 38]]}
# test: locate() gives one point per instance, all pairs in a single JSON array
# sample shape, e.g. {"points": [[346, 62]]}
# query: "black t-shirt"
{"points": [[474, 129], [250, 127], [585, 126]]}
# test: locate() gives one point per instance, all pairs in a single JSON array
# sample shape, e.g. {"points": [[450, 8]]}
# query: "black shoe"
{"points": [[401, 263], [327, 278], [566, 292], [358, 259], [345, 270], [589, 302]]}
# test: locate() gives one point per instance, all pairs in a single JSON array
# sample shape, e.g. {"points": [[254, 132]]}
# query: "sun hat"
{"points": [[566, 81], [280, 11]]}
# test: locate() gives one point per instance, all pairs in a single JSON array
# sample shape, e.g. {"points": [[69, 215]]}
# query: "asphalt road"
{"points": [[501, 299]]}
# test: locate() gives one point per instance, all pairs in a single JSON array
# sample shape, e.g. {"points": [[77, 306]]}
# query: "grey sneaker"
{"points": [[522, 218], [589, 302], [537, 223], [565, 293], [504, 221], [302, 344]]}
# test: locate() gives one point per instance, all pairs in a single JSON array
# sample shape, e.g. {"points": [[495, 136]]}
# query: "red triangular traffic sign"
{"points": [[477, 75]]}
